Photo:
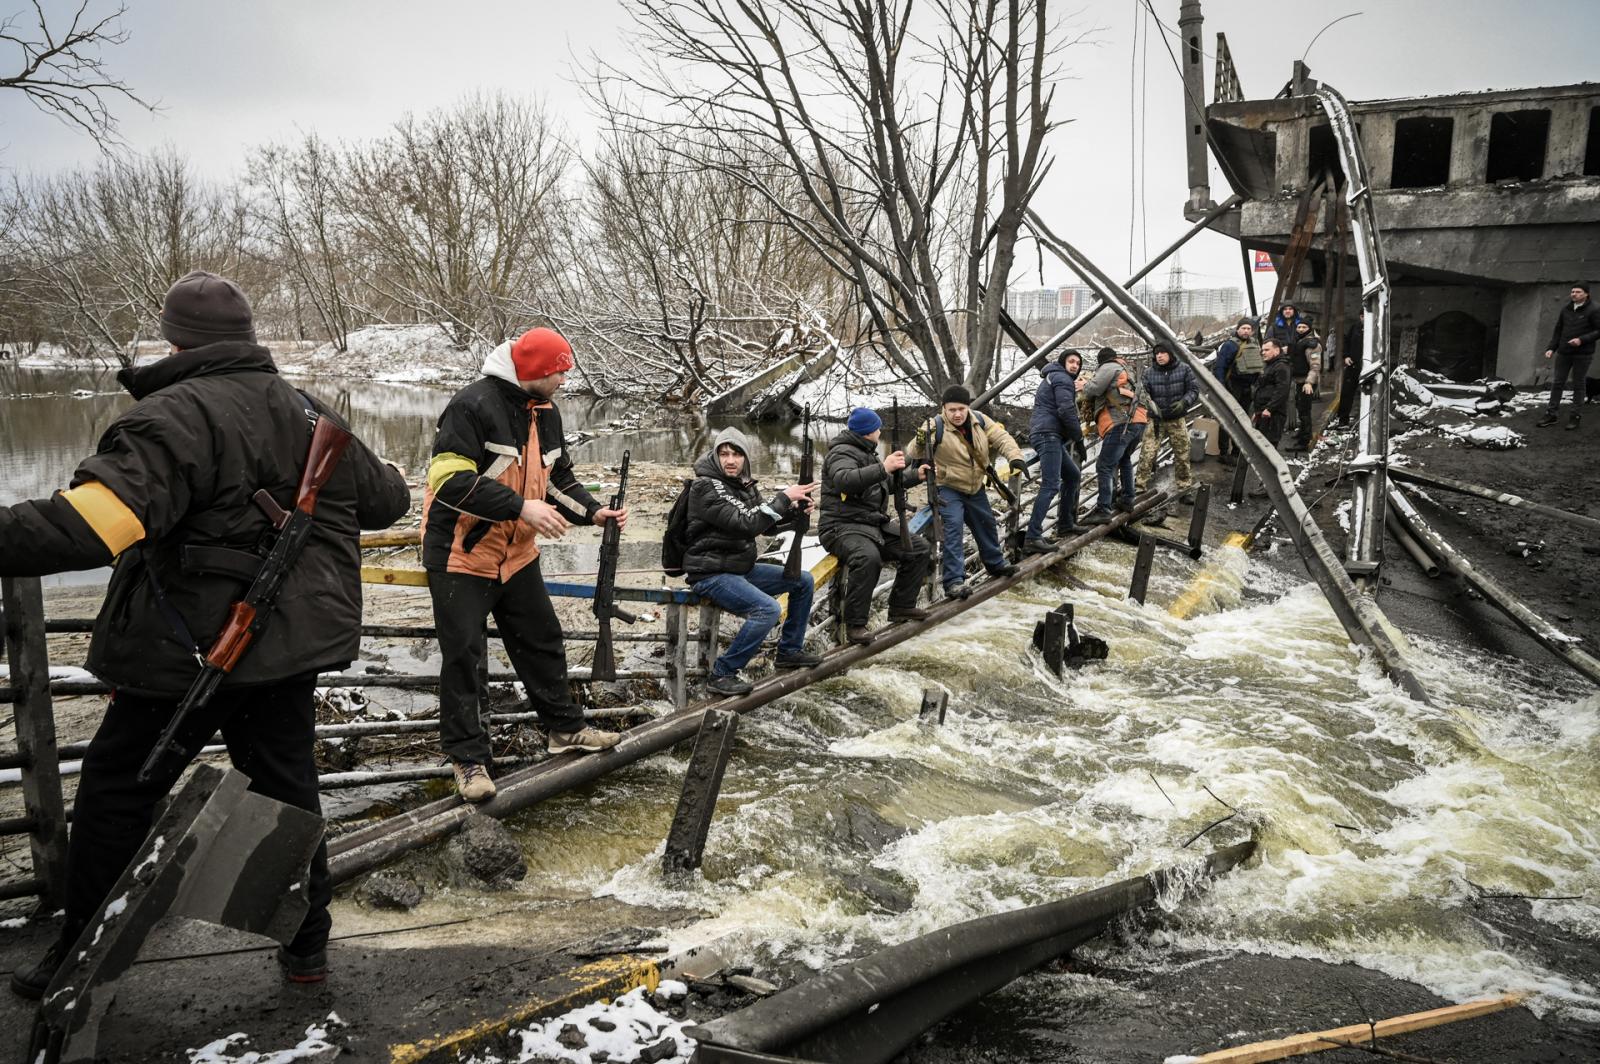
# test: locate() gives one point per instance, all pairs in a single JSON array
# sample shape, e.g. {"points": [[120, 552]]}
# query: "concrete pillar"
{"points": [[1377, 144], [1194, 85], [1569, 135], [1469, 148], [1293, 156], [1527, 314]]}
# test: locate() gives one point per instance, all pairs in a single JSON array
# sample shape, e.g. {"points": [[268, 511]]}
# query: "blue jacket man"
{"points": [[1056, 432]]}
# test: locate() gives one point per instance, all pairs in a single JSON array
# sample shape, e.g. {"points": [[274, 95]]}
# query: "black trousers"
{"points": [[861, 560], [269, 731], [1242, 387], [531, 634], [1302, 411]]}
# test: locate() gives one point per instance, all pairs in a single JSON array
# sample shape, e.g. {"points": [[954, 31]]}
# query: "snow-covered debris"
{"points": [[628, 1029], [419, 353], [315, 1046], [1342, 513], [1488, 437]]}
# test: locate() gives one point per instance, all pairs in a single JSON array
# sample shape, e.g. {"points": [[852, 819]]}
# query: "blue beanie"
{"points": [[863, 421]]}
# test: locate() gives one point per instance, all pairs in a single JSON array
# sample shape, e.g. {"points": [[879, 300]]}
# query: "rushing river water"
{"points": [[844, 823]]}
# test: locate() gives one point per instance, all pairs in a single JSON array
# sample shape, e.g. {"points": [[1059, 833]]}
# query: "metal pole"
{"points": [[1048, 347], [1416, 476], [713, 747], [28, 656], [1197, 520], [1249, 281], [1408, 542], [1142, 561], [678, 654]]}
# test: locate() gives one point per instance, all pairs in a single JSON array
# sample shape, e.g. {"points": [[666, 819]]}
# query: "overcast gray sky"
{"points": [[230, 75]]}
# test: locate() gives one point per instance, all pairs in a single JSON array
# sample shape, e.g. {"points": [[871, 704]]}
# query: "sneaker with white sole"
{"points": [[583, 741], [472, 781]]}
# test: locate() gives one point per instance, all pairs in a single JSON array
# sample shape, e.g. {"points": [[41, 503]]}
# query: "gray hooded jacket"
{"points": [[726, 514]]}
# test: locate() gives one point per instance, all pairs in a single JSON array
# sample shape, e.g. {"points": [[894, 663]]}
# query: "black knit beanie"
{"points": [[203, 308], [1106, 357], [956, 394]]}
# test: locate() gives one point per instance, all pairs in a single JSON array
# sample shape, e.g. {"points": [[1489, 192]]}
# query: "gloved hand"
{"points": [[1079, 451], [1018, 466], [1178, 410]]}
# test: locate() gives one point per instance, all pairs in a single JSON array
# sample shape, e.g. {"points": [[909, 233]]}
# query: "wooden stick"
{"points": [[1320, 1041]]}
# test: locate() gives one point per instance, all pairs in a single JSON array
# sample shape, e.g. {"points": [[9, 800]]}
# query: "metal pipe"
{"points": [[21, 888], [361, 851], [1553, 639], [1416, 476], [1360, 616], [74, 625], [1190, 22], [1045, 349], [1424, 560], [345, 679]]}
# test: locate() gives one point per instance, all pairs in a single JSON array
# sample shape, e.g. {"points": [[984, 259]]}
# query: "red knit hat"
{"points": [[540, 352]]}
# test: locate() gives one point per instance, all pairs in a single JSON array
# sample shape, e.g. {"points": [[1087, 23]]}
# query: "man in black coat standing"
{"points": [[1270, 406], [857, 528], [1572, 346], [168, 495]]}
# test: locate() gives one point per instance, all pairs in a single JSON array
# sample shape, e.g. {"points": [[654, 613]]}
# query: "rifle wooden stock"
{"points": [[604, 666]]}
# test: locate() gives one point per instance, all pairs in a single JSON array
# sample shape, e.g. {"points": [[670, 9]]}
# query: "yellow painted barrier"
{"points": [[1199, 592]]}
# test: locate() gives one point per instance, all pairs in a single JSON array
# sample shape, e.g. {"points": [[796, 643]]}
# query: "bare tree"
{"points": [[901, 140], [58, 65], [306, 239]]}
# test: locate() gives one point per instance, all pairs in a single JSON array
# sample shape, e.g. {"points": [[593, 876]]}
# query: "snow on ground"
{"points": [[398, 353], [313, 1047], [617, 1032], [1489, 437]]}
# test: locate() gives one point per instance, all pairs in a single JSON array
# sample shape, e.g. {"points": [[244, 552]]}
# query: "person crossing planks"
{"points": [[857, 528], [960, 443]]}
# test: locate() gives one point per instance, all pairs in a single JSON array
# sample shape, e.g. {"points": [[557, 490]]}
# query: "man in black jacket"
{"points": [[1270, 405], [1572, 346], [1173, 393], [500, 477], [167, 494], [858, 530], [726, 516]]}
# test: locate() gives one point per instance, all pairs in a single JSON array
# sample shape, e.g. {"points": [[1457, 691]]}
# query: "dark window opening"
{"points": [[1324, 155], [1457, 345], [1591, 155], [1421, 152], [1194, 50], [1517, 142]]}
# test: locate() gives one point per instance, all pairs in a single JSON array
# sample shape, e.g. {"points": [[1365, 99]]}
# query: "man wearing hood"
{"points": [[857, 528], [1283, 326], [499, 479], [168, 496], [726, 516], [1173, 393], [1056, 433]]}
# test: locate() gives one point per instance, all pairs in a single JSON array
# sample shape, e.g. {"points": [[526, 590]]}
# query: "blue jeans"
{"points": [[751, 596], [956, 509], [1057, 472], [1117, 448]]}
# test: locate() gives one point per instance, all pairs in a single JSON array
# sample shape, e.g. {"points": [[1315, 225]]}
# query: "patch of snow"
{"points": [[116, 908], [149, 861], [1342, 512], [1489, 437], [1181, 1059], [636, 1026], [313, 1047], [14, 923], [401, 353]]}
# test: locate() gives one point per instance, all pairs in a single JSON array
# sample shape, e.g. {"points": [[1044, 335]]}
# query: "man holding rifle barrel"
{"points": [[221, 481], [500, 478], [856, 489]]}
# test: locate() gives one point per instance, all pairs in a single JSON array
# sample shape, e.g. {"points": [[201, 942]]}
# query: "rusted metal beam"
{"points": [[1359, 615], [1461, 487]]}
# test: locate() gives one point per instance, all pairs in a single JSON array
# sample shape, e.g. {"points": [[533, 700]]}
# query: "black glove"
{"points": [[1079, 451], [1177, 411], [1019, 466]]}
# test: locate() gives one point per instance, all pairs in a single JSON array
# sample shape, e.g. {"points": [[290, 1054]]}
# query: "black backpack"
{"points": [[675, 541]]}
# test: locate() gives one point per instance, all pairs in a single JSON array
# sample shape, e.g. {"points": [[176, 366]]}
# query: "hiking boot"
{"points": [[1572, 422], [859, 634], [472, 781], [310, 967], [585, 740], [1123, 506], [730, 686], [30, 982], [957, 591], [1546, 421], [1038, 546], [1098, 516], [907, 613], [797, 659], [1004, 571]]}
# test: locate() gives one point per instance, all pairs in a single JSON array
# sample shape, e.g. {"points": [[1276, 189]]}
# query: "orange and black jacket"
{"points": [[496, 446], [168, 496]]}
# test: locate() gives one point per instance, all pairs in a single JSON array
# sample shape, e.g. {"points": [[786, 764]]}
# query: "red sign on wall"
{"points": [[1264, 263]]}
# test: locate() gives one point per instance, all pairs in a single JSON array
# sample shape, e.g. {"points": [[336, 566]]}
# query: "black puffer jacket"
{"points": [[212, 425], [1576, 323], [726, 515], [856, 491], [1172, 388], [1272, 390]]}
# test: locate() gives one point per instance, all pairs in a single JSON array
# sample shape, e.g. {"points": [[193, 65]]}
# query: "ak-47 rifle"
{"points": [[901, 507], [935, 522], [248, 617], [802, 520], [605, 585]]}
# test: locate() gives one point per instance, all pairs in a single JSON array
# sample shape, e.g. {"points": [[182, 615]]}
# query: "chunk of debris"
{"points": [[486, 851], [396, 893], [751, 985], [622, 940]]}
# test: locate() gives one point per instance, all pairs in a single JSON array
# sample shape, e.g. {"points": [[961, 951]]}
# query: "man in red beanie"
{"points": [[498, 452]]}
